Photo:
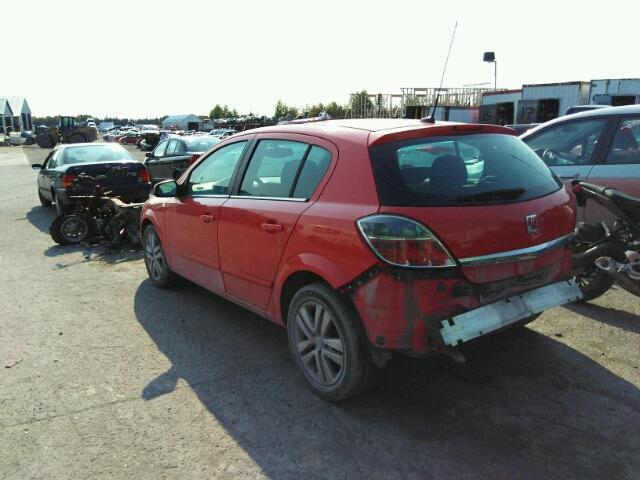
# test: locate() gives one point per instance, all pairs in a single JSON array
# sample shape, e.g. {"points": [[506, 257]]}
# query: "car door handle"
{"points": [[207, 218], [569, 177], [271, 227]]}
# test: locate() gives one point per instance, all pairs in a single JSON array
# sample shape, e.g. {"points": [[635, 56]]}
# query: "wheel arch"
{"points": [[301, 270]]}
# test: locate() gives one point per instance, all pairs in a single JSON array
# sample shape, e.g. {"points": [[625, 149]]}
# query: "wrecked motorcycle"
{"points": [[97, 215], [607, 254]]}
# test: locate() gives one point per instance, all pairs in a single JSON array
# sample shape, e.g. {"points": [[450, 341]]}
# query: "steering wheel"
{"points": [[551, 155]]}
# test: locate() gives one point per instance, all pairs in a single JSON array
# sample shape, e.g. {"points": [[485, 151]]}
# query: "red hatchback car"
{"points": [[366, 236]]}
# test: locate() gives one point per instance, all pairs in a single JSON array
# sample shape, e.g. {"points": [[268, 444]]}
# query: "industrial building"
{"points": [[538, 103]]}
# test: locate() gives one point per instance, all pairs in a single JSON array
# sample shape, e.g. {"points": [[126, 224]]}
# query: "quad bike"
{"points": [[98, 217]]}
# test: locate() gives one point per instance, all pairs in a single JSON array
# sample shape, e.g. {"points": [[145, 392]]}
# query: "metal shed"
{"points": [[182, 122], [21, 113], [544, 102]]}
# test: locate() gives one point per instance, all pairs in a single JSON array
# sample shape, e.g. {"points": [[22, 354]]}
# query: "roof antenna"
{"points": [[431, 118]]}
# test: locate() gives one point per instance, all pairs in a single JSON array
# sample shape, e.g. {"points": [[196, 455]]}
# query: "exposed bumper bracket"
{"points": [[488, 318]]}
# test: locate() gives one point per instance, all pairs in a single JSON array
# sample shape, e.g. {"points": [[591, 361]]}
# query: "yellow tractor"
{"points": [[67, 131]]}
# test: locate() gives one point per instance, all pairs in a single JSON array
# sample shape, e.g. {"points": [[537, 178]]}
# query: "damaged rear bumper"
{"points": [[467, 326]]}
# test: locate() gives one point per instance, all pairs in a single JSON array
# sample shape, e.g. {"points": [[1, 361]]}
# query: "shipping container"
{"points": [[615, 91]]}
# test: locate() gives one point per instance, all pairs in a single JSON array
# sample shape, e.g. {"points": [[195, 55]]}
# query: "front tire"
{"points": [[69, 230], [327, 344], [155, 260]]}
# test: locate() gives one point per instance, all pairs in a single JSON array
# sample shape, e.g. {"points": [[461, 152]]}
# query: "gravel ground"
{"points": [[104, 376]]}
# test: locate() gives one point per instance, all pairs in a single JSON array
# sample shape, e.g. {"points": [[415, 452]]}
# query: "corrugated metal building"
{"points": [[615, 91], [499, 107], [544, 102], [182, 122]]}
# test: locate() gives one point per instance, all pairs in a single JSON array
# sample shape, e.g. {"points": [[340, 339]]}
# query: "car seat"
{"points": [[447, 171]]}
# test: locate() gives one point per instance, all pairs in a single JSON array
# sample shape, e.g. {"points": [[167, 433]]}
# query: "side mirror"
{"points": [[167, 188], [37, 166]]}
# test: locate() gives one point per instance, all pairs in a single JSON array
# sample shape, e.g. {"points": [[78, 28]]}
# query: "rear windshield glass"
{"points": [[459, 170], [94, 153]]}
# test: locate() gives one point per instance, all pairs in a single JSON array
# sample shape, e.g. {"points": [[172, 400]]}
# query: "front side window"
{"points": [[571, 143], [160, 149], [171, 148], [213, 175], [273, 168], [625, 147], [459, 170]]}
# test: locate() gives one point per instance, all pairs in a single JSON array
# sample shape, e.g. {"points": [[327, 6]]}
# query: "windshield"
{"points": [[94, 153], [459, 170], [200, 144]]}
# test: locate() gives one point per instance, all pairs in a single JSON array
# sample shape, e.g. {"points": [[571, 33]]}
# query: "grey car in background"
{"points": [[599, 146]]}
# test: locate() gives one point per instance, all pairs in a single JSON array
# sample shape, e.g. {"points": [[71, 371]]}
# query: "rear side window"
{"points": [[459, 170], [314, 168]]}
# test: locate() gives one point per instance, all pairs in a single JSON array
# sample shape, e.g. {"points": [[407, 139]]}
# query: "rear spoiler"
{"points": [[432, 130]]}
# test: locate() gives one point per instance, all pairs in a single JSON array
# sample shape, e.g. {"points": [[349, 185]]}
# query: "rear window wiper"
{"points": [[503, 194]]}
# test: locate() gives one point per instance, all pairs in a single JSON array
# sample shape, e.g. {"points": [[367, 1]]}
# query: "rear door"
{"points": [[620, 166], [279, 181], [194, 216], [570, 149]]}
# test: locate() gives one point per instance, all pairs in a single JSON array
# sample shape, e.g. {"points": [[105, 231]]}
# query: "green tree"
{"points": [[360, 100]]}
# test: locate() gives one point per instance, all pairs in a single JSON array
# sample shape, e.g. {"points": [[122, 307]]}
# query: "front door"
{"points": [[570, 148], [620, 168], [194, 217], [255, 224]]}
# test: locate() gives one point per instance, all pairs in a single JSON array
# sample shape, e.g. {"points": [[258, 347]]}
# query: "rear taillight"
{"points": [[143, 176], [193, 158], [68, 179], [404, 242]]}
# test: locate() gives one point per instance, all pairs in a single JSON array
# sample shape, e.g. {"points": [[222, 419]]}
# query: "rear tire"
{"points": [[327, 343], [155, 260], [45, 140], [43, 201]]}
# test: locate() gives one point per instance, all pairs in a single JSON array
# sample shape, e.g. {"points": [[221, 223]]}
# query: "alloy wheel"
{"points": [[319, 343], [154, 257]]}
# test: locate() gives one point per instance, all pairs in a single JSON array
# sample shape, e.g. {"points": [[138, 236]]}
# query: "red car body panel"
{"points": [[254, 245]]}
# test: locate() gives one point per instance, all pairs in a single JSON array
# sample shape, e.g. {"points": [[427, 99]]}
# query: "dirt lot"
{"points": [[104, 376]]}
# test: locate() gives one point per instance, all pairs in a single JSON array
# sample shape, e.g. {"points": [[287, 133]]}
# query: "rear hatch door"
{"points": [[490, 200]]}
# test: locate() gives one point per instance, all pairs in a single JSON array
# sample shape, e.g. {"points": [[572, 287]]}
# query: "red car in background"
{"points": [[129, 139], [366, 236]]}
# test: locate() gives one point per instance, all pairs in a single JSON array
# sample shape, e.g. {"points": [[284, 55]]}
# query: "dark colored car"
{"points": [[367, 236], [174, 154], [126, 177], [599, 146]]}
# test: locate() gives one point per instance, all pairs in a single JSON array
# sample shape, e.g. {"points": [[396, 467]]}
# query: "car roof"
{"points": [[598, 112], [372, 130]]}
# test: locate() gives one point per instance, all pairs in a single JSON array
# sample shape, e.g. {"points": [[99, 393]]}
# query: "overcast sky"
{"points": [[150, 58]]}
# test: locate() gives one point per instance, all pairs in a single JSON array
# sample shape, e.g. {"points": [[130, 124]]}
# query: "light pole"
{"points": [[490, 57]]}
